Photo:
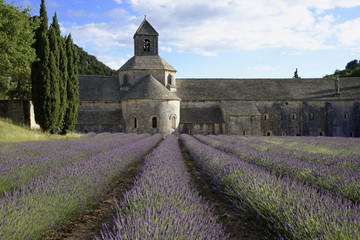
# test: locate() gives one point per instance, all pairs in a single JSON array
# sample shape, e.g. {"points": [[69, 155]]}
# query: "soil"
{"points": [[89, 224], [239, 225]]}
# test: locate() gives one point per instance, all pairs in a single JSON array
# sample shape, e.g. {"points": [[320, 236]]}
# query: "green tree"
{"points": [[64, 78], [296, 75], [40, 72], [54, 100], [351, 65], [16, 51], [72, 87]]}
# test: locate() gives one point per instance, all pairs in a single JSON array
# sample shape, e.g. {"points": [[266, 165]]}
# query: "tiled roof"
{"points": [[150, 88], [99, 88], [267, 89], [240, 108], [152, 62]]}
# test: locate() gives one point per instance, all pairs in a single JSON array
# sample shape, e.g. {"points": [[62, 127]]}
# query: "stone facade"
{"points": [[19, 111], [147, 97]]}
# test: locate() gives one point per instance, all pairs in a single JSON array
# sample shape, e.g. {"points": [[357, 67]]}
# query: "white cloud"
{"points": [[167, 49], [208, 28], [348, 33]]}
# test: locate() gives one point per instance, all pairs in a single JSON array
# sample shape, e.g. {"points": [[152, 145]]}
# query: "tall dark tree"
{"points": [[55, 113], [296, 75], [40, 72], [64, 78], [72, 87]]}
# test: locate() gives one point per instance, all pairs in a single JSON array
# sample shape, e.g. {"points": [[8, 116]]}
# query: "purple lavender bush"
{"points": [[44, 203], [293, 209], [16, 170], [162, 204], [342, 182], [322, 150]]}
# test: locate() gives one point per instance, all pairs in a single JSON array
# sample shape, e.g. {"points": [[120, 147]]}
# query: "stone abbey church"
{"points": [[146, 97]]}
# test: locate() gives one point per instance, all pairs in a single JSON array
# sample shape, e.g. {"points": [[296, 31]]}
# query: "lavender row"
{"points": [[340, 146], [351, 161], [20, 170], [11, 151], [343, 182], [162, 204], [294, 210], [44, 203]]}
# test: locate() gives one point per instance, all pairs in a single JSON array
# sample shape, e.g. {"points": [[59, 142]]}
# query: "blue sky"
{"points": [[219, 38]]}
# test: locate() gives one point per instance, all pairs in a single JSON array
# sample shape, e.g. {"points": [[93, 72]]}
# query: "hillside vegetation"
{"points": [[352, 69], [10, 132], [89, 65]]}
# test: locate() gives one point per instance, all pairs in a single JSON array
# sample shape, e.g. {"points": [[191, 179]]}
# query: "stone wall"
{"points": [[101, 116], [145, 110], [19, 111]]}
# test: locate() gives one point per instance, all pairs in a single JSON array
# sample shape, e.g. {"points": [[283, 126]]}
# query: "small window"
{"points": [[266, 116], [346, 115], [268, 133], [125, 80], [170, 82], [173, 121], [244, 132], [294, 116], [154, 122], [134, 122], [311, 116], [321, 133], [146, 45]]}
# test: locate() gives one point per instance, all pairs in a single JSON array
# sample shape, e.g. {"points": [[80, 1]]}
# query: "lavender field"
{"points": [[299, 187]]}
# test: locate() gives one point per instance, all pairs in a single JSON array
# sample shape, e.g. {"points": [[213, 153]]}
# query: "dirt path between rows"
{"points": [[240, 225], [89, 224]]}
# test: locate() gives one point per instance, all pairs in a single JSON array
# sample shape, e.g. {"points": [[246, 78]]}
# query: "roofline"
{"points": [[142, 24]]}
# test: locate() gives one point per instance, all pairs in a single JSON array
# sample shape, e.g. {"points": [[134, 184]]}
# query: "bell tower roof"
{"points": [[146, 40], [145, 28]]}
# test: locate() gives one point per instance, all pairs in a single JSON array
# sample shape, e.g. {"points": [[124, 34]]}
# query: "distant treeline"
{"points": [[89, 65], [352, 69]]}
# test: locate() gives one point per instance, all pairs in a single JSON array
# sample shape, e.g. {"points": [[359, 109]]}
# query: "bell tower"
{"points": [[146, 40]]}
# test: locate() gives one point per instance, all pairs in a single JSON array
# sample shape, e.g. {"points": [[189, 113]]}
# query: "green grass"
{"points": [[10, 132]]}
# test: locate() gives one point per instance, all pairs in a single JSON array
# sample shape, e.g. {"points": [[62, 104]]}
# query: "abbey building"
{"points": [[146, 97]]}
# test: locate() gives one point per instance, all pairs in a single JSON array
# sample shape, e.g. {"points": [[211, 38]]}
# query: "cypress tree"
{"points": [[53, 95], [72, 86], [40, 72], [64, 76]]}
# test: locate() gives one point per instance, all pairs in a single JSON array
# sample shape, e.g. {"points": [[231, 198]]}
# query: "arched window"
{"points": [[266, 116], [154, 122], [294, 116], [146, 45], [244, 132], [321, 133], [173, 121], [346, 115], [283, 133], [134, 122], [125, 80], [311, 116], [268, 133], [171, 80]]}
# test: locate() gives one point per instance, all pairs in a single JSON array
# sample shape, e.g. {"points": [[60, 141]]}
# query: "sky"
{"points": [[218, 38]]}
